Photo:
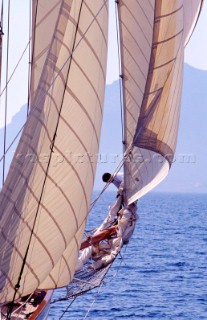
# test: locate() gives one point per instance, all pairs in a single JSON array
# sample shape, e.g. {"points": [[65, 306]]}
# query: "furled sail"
{"points": [[46, 197], [153, 35]]}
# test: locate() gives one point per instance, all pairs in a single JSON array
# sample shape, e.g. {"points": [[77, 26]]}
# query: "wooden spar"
{"points": [[102, 235]]}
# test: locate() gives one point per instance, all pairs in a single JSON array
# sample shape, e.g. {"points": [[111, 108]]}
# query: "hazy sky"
{"points": [[195, 52], [195, 55]]}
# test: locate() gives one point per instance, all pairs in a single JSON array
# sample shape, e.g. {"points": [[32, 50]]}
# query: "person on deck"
{"points": [[114, 208], [117, 180], [93, 244], [103, 253], [126, 222], [112, 212], [106, 253], [83, 258], [110, 219]]}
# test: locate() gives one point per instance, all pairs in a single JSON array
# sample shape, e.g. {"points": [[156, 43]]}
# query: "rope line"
{"points": [[6, 95], [29, 53], [93, 302], [120, 69], [15, 68], [120, 165], [121, 107], [60, 70], [52, 146], [64, 312], [2, 14], [45, 179]]}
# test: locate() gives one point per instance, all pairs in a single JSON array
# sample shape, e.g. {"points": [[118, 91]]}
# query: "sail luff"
{"points": [[199, 9], [44, 23], [70, 170]]}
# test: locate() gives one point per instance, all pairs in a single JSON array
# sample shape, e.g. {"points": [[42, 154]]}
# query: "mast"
{"points": [[121, 85]]}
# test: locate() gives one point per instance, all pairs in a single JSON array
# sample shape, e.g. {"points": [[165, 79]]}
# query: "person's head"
{"points": [[106, 177]]}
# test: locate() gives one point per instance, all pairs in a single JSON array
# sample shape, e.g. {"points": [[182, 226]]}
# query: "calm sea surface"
{"points": [[162, 273]]}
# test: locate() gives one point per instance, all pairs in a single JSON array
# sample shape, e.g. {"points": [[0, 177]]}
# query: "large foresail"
{"points": [[153, 35], [46, 196]]}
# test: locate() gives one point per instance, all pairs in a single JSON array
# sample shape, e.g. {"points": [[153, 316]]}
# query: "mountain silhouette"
{"points": [[189, 170], [12, 137]]}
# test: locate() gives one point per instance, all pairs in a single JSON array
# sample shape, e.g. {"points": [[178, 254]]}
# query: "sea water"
{"points": [[161, 274]]}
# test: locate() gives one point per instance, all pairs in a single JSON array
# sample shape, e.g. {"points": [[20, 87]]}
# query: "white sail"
{"points": [[153, 35], [44, 19], [49, 184]]}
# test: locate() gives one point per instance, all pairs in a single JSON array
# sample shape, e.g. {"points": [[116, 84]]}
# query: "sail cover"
{"points": [[46, 196], [153, 35]]}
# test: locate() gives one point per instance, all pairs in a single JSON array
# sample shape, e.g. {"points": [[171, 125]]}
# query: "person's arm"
{"points": [[93, 240]]}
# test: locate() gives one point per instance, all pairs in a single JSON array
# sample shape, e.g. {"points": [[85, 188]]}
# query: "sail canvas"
{"points": [[45, 200]]}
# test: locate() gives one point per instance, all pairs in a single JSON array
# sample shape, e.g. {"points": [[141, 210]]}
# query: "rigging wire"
{"points": [[2, 13], [51, 151], [118, 168], [29, 54], [17, 284], [120, 69], [107, 184], [9, 79], [19, 309], [121, 105], [67, 308], [59, 71], [120, 165], [93, 302], [6, 93], [15, 68], [104, 282], [1, 34]]}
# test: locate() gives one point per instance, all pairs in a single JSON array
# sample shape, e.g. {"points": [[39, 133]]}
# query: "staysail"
{"points": [[153, 34], [46, 197]]}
